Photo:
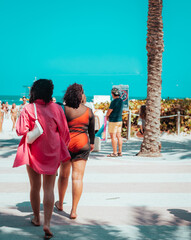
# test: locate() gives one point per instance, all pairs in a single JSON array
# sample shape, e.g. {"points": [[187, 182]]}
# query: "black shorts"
{"points": [[79, 155]]}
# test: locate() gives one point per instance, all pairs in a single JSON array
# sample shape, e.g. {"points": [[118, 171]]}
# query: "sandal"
{"points": [[119, 154], [112, 155]]}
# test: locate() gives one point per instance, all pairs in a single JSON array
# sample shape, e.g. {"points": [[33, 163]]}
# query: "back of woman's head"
{"points": [[73, 95], [142, 111], [41, 89]]}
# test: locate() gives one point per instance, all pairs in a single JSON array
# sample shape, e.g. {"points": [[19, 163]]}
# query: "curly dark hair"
{"points": [[73, 95], [41, 89]]}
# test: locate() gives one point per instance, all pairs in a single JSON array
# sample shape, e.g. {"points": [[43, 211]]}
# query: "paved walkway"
{"points": [[123, 198]]}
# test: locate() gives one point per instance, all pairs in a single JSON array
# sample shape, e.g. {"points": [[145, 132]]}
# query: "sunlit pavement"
{"points": [[124, 198]]}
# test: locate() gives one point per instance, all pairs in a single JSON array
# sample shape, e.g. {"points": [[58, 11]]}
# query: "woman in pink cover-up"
{"points": [[46, 153]]}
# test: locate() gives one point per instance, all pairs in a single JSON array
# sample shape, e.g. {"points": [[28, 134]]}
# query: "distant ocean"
{"points": [[17, 101]]}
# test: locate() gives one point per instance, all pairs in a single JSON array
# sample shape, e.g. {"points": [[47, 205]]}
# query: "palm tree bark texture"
{"points": [[155, 47]]}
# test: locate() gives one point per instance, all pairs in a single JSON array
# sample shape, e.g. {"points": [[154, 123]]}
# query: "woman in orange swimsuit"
{"points": [[81, 126]]}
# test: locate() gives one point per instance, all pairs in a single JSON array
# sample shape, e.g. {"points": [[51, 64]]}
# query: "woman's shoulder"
{"points": [[86, 109], [56, 106], [89, 112]]}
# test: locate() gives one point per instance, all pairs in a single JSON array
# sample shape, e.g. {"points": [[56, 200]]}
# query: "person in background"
{"points": [[44, 155], [141, 121], [7, 112], [3, 107], [14, 113], [23, 104], [2, 114], [7, 106], [81, 124], [114, 115], [54, 100]]}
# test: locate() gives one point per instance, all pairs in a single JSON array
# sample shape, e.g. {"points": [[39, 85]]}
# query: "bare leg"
{"points": [[114, 142], [1, 121], [48, 201], [63, 183], [13, 120], [120, 141], [14, 123], [78, 168], [35, 184]]}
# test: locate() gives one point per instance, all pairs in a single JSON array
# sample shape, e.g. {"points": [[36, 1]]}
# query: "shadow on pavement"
{"points": [[8, 154], [26, 207], [181, 214], [11, 143], [149, 225], [132, 146], [17, 227], [173, 147], [9, 146]]}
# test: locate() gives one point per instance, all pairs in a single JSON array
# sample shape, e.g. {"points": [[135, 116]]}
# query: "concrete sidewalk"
{"points": [[124, 198]]}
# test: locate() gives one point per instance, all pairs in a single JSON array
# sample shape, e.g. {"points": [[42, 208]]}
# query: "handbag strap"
{"points": [[35, 112]]}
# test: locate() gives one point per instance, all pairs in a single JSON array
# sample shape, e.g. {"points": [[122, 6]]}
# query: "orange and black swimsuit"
{"points": [[82, 134]]}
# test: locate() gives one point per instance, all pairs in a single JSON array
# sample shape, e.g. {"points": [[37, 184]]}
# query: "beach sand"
{"points": [[124, 198]]}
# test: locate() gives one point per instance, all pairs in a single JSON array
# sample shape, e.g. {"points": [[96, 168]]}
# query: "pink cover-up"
{"points": [[46, 152]]}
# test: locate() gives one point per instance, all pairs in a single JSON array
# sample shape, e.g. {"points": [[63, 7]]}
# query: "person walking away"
{"points": [[44, 155], [114, 116], [81, 125]]}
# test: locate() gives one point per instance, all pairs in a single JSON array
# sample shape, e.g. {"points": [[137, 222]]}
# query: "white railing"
{"points": [[178, 115]]}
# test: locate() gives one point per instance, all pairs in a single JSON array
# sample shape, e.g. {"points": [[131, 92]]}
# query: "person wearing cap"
{"points": [[114, 116]]}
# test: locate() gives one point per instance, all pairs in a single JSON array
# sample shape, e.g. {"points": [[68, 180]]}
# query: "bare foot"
{"points": [[35, 222], [58, 207], [73, 215], [48, 233]]}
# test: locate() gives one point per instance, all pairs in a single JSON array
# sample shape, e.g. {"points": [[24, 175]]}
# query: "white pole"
{"points": [[129, 126], [178, 123]]}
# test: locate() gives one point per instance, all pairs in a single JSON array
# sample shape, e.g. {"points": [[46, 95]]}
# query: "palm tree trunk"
{"points": [[155, 47]]}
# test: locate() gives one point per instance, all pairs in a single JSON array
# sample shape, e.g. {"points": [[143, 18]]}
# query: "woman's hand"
{"points": [[91, 147]]}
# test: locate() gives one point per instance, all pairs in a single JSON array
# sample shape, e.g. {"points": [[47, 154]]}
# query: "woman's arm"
{"points": [[63, 126], [91, 129], [22, 126]]}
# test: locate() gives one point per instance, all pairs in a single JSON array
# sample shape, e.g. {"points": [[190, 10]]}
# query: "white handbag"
{"points": [[36, 131]]}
